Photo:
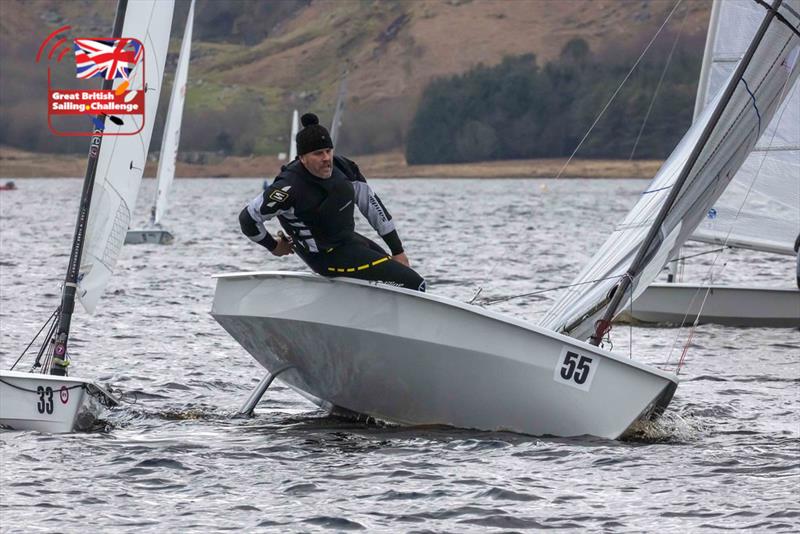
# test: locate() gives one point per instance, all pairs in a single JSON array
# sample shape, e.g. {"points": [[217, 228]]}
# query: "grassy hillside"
{"points": [[253, 61]]}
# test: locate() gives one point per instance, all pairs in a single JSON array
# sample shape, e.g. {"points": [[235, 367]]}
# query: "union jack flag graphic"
{"points": [[106, 58]]}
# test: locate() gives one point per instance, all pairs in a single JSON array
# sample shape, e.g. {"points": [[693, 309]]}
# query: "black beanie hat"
{"points": [[313, 136]]}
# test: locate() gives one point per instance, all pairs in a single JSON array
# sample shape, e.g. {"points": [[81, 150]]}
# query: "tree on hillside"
{"points": [[519, 110]]}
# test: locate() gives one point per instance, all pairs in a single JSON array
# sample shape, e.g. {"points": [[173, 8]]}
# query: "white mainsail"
{"points": [[122, 157], [292, 141], [752, 104], [172, 128], [760, 209]]}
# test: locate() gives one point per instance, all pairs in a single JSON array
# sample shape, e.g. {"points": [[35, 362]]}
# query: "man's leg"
{"points": [[365, 260]]}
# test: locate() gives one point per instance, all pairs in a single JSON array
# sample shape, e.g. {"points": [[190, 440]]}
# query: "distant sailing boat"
{"points": [[292, 145], [338, 112], [169, 147], [46, 399], [419, 359], [760, 209], [292, 135]]}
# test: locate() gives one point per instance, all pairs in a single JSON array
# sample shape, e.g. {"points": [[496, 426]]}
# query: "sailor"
{"points": [[314, 198]]}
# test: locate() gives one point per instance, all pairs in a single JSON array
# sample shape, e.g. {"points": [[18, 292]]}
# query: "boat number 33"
{"points": [[45, 403], [575, 369]]}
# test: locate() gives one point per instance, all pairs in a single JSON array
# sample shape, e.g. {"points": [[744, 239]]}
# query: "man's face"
{"points": [[319, 163]]}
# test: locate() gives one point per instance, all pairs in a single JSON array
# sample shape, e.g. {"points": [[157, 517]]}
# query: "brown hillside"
{"points": [[245, 77], [393, 49]]}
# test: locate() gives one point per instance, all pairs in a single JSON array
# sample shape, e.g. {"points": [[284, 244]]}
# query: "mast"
{"points": [[59, 362], [637, 264]]}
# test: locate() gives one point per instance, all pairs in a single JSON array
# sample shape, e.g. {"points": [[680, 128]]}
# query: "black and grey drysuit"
{"points": [[317, 213]]}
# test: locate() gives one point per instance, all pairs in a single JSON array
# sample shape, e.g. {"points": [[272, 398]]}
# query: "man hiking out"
{"points": [[314, 198]]}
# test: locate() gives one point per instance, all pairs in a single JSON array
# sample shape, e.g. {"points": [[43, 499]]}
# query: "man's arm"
{"points": [[373, 209], [378, 216], [276, 200]]}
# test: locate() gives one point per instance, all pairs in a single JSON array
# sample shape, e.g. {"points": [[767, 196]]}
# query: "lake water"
{"points": [[726, 456]]}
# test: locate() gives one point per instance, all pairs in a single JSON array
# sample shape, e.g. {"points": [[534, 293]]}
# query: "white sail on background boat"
{"points": [[169, 146], [415, 358], [752, 104], [292, 145], [338, 112], [293, 135], [760, 209], [54, 402]]}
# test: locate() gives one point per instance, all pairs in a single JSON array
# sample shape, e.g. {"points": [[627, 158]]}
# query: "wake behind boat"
{"points": [[420, 359]]}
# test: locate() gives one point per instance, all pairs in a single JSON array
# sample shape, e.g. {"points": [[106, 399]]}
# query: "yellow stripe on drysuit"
{"points": [[359, 268]]}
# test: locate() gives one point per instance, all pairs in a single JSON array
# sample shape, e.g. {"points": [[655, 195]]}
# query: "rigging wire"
{"points": [[705, 252], [686, 314], [619, 88], [47, 322], [630, 331], [709, 273], [667, 63], [586, 135], [490, 301], [46, 346]]}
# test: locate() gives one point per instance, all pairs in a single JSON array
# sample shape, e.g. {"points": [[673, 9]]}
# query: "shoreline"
{"points": [[19, 164]]}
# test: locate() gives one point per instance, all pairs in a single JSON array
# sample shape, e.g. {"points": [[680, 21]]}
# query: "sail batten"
{"points": [[704, 161]]}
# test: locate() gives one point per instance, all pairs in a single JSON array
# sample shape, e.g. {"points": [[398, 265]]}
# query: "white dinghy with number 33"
{"points": [[419, 359], [46, 399]]}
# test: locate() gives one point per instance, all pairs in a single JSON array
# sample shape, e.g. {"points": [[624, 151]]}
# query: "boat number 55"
{"points": [[45, 404], [575, 369]]}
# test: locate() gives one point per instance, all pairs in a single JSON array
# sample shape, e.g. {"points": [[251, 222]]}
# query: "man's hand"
{"points": [[401, 258], [284, 245]]}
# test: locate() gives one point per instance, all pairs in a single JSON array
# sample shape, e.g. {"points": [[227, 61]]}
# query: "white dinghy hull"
{"points": [[148, 237], [742, 306], [418, 359], [49, 403]]}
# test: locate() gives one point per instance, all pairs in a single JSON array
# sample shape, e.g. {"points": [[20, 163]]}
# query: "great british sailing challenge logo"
{"points": [[115, 111]]}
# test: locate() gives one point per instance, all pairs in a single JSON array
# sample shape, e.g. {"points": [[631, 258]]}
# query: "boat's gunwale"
{"points": [[453, 303], [40, 376]]}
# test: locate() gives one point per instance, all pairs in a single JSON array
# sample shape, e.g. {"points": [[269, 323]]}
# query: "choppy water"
{"points": [[727, 457]]}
